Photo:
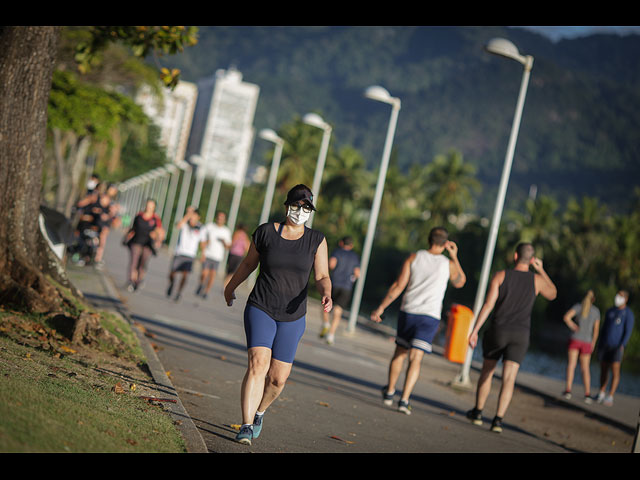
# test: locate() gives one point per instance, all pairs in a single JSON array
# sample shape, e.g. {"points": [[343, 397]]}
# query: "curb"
{"points": [[192, 437]]}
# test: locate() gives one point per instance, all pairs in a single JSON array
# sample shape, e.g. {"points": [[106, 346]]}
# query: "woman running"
{"points": [[274, 316]]}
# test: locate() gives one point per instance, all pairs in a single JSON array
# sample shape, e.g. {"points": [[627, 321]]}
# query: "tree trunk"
{"points": [[27, 59]]}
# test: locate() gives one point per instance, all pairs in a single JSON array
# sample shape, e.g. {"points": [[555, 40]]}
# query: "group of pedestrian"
{"points": [[97, 213], [287, 252], [584, 319]]}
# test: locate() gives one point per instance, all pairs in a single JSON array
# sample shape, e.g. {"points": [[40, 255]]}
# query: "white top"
{"points": [[427, 285], [217, 236], [189, 240]]}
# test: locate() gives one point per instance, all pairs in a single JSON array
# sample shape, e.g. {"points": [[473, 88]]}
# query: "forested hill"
{"points": [[580, 131]]}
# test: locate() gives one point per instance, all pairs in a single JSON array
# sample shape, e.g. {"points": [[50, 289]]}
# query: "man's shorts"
{"points": [[508, 344], [210, 264], [181, 263], [416, 331], [609, 354], [584, 348], [341, 297], [281, 338]]}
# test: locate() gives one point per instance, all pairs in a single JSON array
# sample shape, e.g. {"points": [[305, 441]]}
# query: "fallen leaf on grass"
{"points": [[117, 388], [132, 387], [322, 404], [67, 349]]}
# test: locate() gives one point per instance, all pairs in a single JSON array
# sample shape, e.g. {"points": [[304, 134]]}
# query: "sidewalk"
{"points": [[197, 353]]}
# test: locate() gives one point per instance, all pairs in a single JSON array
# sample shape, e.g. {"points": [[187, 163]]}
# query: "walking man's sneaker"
{"points": [[496, 425], [387, 398], [475, 416], [404, 407]]}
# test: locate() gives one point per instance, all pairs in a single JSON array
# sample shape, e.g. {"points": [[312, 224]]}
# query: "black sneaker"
{"points": [[496, 425], [404, 407], [387, 398], [199, 290], [169, 289], [475, 416]]}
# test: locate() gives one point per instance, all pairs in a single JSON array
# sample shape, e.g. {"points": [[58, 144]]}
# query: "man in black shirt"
{"points": [[512, 293]]}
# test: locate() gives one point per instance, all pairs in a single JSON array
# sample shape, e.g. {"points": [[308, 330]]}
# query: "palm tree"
{"points": [[449, 186], [539, 224], [299, 155]]}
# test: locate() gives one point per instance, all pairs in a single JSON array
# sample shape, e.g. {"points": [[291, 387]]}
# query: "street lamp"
{"points": [[505, 48], [381, 95], [271, 136], [315, 120]]}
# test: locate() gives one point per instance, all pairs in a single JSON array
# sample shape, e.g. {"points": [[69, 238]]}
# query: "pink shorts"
{"points": [[583, 347]]}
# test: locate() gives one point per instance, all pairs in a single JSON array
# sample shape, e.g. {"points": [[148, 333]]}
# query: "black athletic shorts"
{"points": [[181, 263], [508, 344], [341, 297]]}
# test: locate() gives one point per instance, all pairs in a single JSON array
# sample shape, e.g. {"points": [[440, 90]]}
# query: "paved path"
{"points": [[332, 400]]}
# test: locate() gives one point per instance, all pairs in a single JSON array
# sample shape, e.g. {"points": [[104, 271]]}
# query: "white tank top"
{"points": [[427, 285]]}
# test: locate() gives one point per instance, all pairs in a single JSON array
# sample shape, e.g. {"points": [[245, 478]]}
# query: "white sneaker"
{"points": [[608, 401], [330, 339], [600, 397]]}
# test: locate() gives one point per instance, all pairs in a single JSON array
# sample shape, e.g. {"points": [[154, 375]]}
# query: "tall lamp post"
{"points": [[315, 120], [271, 136], [505, 48], [380, 94]]}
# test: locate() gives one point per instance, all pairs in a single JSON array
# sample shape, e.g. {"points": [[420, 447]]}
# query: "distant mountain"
{"points": [[580, 131]]}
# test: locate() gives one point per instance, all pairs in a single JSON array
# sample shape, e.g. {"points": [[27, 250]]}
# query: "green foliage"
{"points": [[88, 110], [143, 40]]}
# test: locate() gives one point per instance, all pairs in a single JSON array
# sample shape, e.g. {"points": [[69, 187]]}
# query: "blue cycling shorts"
{"points": [[281, 337]]}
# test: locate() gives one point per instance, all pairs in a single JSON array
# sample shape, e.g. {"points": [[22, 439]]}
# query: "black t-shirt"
{"points": [[285, 266], [142, 228]]}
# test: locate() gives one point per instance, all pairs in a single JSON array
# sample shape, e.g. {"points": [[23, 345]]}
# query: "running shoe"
{"points": [[324, 331], [330, 339], [178, 298], [600, 397], [496, 425], [475, 416], [387, 398], [404, 407], [566, 394], [131, 288], [199, 290], [588, 400], [257, 425], [245, 435], [169, 289], [608, 401]]}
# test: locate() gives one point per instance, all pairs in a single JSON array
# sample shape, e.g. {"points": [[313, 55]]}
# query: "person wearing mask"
{"points": [[583, 319], [615, 333], [344, 264], [190, 236], [275, 312], [217, 239], [144, 236]]}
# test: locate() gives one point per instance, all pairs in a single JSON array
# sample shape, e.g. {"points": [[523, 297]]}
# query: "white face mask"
{"points": [[619, 300], [298, 217], [91, 184]]}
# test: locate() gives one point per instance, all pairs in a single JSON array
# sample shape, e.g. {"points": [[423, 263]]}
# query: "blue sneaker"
{"points": [[257, 425], [245, 435]]}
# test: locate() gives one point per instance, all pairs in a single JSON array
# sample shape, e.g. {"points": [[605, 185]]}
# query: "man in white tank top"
{"points": [[424, 278]]}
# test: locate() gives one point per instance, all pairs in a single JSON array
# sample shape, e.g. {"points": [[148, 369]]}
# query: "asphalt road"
{"points": [[332, 402]]}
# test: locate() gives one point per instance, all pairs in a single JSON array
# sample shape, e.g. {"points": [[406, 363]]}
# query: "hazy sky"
{"points": [[557, 32]]}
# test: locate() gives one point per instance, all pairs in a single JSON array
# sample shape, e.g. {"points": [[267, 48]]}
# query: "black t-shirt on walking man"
{"points": [[285, 266]]}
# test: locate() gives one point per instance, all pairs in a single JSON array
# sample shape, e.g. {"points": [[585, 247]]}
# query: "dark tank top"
{"points": [[515, 300], [285, 266]]}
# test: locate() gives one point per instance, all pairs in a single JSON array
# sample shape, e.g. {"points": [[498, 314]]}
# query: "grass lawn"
{"points": [[56, 397]]}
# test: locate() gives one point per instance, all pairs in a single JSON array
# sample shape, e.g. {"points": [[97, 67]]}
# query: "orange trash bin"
{"points": [[458, 324]]}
